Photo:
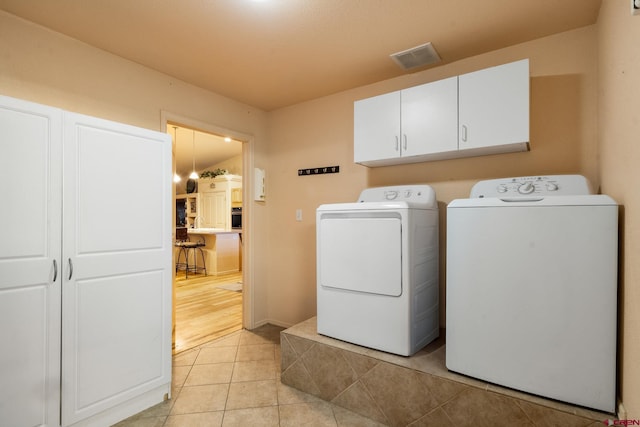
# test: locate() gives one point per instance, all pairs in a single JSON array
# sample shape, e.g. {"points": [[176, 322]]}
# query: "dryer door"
{"points": [[361, 252]]}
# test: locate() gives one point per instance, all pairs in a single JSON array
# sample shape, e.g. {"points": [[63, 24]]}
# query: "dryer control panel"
{"points": [[533, 186], [421, 196]]}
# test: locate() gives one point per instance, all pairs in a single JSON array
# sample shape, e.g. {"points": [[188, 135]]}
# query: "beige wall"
{"points": [[572, 108], [46, 67], [619, 136], [320, 133], [233, 165]]}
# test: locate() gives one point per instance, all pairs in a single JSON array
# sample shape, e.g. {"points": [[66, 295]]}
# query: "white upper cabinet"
{"points": [[484, 112], [376, 128], [398, 126], [494, 108], [429, 118]]}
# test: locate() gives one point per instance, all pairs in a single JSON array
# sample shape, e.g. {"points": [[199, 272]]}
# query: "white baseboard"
{"points": [[126, 409], [622, 413]]}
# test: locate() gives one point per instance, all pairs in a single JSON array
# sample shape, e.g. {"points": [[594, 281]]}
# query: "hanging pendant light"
{"points": [[176, 177], [194, 174]]}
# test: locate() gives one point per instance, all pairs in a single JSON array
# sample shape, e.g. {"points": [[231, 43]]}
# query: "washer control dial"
{"points": [[526, 188], [551, 186]]}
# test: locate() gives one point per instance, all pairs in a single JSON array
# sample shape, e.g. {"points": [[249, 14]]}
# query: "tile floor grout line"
{"points": [[243, 340], [235, 360]]}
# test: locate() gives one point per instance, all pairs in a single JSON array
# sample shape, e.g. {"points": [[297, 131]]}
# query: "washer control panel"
{"points": [[532, 186]]}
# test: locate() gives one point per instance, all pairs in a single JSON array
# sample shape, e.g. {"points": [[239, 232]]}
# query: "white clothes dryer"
{"points": [[532, 288], [377, 269]]}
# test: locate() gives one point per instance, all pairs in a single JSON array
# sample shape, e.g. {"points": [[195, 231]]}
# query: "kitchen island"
{"points": [[222, 250]]}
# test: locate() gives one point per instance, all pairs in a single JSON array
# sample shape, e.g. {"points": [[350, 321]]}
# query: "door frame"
{"points": [[167, 118]]}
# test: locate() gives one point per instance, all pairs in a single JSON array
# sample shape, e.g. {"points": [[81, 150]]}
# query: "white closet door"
{"points": [[116, 324], [30, 190]]}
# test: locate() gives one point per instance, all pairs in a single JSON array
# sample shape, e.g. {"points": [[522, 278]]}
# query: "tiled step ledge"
{"points": [[411, 391]]}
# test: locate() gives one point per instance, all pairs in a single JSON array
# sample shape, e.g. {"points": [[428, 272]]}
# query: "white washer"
{"points": [[377, 269], [532, 288]]}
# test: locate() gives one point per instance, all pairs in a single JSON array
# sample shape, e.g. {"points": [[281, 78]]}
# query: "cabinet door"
{"points": [[236, 195], [221, 209], [494, 106], [207, 210], [430, 118], [30, 276], [117, 244], [214, 209], [376, 128]]}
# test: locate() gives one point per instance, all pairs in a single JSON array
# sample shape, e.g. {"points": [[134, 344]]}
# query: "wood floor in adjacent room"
{"points": [[204, 310]]}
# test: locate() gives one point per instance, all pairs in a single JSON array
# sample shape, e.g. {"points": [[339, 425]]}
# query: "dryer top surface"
{"points": [[390, 198], [415, 196]]}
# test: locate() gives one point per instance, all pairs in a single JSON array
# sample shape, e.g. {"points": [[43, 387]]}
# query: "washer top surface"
{"points": [[533, 201], [532, 186]]}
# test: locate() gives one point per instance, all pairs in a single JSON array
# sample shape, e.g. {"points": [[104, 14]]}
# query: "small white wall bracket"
{"points": [[259, 185]]}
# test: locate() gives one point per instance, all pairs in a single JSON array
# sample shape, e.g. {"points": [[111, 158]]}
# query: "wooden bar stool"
{"points": [[189, 248]]}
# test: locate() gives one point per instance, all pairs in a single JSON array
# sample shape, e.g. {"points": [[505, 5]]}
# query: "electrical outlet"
{"points": [[298, 214]]}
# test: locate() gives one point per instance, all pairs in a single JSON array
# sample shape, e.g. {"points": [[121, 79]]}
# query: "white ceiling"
{"points": [[275, 53]]}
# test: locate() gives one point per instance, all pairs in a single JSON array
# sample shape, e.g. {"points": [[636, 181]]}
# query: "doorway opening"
{"points": [[208, 255]]}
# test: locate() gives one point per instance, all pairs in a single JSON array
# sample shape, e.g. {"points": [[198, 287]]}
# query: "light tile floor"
{"points": [[235, 381]]}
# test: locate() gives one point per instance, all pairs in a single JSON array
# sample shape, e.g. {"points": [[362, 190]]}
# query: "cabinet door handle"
{"points": [[404, 145], [464, 133], [397, 143], [55, 270], [70, 269]]}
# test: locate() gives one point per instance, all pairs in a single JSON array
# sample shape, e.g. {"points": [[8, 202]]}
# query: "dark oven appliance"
{"points": [[236, 218]]}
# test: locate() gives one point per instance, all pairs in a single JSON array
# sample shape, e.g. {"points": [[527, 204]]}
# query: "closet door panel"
{"points": [[119, 191], [117, 255], [30, 173], [102, 316]]}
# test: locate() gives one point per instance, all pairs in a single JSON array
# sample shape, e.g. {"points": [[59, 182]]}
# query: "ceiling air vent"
{"points": [[418, 56]]}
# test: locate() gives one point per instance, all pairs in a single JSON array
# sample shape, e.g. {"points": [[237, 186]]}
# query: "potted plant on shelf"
{"points": [[212, 174]]}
